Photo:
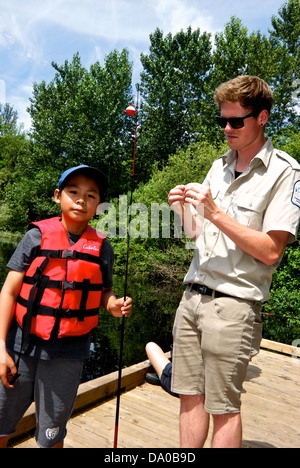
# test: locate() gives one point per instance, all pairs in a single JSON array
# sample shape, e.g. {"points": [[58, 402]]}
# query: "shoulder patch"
{"points": [[296, 194]]}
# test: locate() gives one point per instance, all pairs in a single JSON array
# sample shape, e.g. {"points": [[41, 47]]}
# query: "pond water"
{"points": [[152, 319]]}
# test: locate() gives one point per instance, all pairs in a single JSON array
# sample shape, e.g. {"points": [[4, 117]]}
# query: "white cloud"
{"points": [[2, 92], [116, 20], [20, 104], [35, 32], [174, 15]]}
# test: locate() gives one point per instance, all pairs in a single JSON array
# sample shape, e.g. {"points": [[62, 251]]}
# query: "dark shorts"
{"points": [[165, 379], [53, 386]]}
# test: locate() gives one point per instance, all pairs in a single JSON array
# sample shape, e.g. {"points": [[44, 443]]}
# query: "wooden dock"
{"points": [[149, 416]]}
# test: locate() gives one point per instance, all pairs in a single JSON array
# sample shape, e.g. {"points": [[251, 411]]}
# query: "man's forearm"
{"points": [[265, 247]]}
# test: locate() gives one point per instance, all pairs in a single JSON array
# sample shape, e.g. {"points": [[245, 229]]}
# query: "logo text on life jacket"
{"points": [[91, 246]]}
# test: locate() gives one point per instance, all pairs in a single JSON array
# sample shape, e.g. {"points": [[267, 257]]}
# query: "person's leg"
{"points": [[157, 357], [60, 445], [227, 431], [227, 345], [194, 421], [56, 387], [15, 401], [162, 366], [188, 372], [3, 442]]}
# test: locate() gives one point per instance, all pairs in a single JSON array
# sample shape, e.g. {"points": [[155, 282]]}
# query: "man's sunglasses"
{"points": [[234, 122]]}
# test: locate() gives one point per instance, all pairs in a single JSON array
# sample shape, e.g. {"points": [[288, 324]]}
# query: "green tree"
{"points": [[238, 53], [13, 144], [172, 86], [229, 56], [79, 117], [229, 60], [8, 120], [274, 58], [285, 41]]}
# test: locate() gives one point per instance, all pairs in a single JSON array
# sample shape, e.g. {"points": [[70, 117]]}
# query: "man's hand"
{"points": [[200, 197], [191, 214], [176, 199]]}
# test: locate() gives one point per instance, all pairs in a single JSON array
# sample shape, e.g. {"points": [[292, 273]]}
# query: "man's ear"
{"points": [[57, 196], [264, 117]]}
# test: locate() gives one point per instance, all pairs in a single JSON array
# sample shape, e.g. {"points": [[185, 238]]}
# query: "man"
{"points": [[250, 200]]}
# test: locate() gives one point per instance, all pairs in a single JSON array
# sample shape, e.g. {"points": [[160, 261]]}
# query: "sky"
{"points": [[33, 33]]}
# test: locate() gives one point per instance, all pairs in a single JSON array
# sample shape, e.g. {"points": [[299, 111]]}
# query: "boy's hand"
{"points": [[7, 370], [119, 307]]}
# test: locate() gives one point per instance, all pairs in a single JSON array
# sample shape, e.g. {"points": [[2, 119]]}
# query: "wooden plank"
{"points": [[280, 348], [271, 402], [106, 386], [94, 391], [149, 416]]}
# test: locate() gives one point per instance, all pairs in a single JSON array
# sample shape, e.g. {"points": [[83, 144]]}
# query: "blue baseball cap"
{"points": [[92, 172]]}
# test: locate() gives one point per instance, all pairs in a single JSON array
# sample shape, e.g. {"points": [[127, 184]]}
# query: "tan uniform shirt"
{"points": [[266, 197]]}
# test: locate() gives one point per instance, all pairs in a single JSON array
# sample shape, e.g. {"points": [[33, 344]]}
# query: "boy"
{"points": [[251, 208], [60, 273]]}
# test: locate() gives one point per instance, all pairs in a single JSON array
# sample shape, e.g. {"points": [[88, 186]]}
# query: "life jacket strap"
{"points": [[60, 313], [44, 282], [70, 255]]}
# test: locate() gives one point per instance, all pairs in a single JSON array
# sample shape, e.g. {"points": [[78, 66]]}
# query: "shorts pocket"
{"points": [[231, 310], [256, 338]]}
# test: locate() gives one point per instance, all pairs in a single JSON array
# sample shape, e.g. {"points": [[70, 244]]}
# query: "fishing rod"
{"points": [[130, 111], [281, 316]]}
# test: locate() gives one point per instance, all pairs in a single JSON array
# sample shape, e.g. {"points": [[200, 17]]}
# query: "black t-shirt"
{"points": [[77, 347]]}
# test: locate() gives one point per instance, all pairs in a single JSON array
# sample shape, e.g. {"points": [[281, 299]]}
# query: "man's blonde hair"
{"points": [[251, 91]]}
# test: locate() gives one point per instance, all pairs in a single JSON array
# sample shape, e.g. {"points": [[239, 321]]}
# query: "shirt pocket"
{"points": [[249, 210]]}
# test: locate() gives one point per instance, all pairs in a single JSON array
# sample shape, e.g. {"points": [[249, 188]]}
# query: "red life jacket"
{"points": [[62, 284]]}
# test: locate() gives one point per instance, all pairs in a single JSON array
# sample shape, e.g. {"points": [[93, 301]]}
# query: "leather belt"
{"points": [[201, 289]]}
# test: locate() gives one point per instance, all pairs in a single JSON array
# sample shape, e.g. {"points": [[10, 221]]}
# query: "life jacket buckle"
{"points": [[66, 313], [69, 285], [69, 254]]}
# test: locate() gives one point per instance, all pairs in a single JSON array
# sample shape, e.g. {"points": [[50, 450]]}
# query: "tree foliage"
{"points": [[172, 85], [285, 41], [79, 118]]}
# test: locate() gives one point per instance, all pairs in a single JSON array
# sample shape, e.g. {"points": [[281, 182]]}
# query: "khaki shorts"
{"points": [[214, 340]]}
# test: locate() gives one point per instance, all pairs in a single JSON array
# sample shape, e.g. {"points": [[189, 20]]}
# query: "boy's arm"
{"points": [[117, 307], [8, 298], [9, 294]]}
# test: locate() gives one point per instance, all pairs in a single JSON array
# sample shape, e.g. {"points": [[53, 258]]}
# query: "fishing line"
{"points": [[130, 111], [281, 316]]}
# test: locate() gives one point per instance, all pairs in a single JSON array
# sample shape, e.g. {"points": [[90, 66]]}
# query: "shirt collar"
{"points": [[264, 155]]}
